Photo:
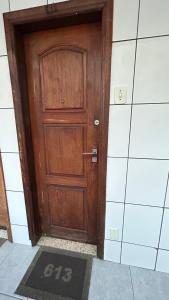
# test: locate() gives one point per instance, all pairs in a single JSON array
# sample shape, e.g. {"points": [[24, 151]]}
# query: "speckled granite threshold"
{"points": [[68, 245]]}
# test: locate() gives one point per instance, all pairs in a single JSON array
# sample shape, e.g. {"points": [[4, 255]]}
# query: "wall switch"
{"points": [[120, 95], [114, 234]]}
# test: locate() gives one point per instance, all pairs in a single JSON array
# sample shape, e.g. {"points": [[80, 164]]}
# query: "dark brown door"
{"points": [[63, 74]]}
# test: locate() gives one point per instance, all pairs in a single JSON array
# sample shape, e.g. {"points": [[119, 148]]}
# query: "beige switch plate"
{"points": [[120, 95], [114, 234]]}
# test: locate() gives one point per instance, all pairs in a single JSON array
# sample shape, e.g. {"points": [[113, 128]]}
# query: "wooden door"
{"points": [[64, 74]]}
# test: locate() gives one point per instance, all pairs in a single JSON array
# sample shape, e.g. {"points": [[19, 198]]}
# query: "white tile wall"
{"points": [[167, 198], [149, 131], [147, 180], [152, 71], [116, 179], [163, 261], [114, 218], [8, 136], [119, 125], [112, 251], [125, 19], [139, 256], [139, 228], [20, 235], [164, 241], [17, 210], [6, 100], [153, 18], [4, 7], [12, 171], [123, 55], [18, 4]]}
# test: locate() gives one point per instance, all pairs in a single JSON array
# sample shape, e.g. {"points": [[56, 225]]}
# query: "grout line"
{"points": [[131, 278], [19, 225], [142, 103], [14, 191], [11, 296], [143, 158], [134, 71], [135, 244], [138, 204], [162, 219], [6, 108], [3, 55], [9, 5], [141, 38], [8, 152]]}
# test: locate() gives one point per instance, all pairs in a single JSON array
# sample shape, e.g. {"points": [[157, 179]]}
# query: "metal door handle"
{"points": [[93, 154]]}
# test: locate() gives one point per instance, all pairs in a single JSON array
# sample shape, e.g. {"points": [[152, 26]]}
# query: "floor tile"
{"points": [[5, 250], [150, 285], [110, 281], [6, 297], [14, 267]]}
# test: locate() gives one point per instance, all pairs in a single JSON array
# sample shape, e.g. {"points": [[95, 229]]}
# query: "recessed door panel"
{"points": [[64, 148], [63, 77], [71, 206]]}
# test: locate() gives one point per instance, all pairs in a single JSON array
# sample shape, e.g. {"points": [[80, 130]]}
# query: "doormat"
{"points": [[2, 241], [57, 275]]}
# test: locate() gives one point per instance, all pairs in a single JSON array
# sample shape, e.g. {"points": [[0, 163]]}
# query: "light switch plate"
{"points": [[120, 95], [114, 234]]}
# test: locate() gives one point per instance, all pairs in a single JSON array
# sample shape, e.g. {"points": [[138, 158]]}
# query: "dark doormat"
{"points": [[57, 275], [2, 241]]}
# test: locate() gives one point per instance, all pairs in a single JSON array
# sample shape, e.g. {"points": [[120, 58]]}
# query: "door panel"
{"points": [[60, 144], [64, 75]]}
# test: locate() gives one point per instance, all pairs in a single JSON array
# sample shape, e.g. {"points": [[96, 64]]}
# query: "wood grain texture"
{"points": [[17, 23], [62, 78]]}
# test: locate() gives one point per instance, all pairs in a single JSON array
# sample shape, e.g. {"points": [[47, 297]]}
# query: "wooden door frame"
{"points": [[18, 22]]}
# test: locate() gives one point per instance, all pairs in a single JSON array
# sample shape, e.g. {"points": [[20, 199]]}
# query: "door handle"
{"points": [[93, 154]]}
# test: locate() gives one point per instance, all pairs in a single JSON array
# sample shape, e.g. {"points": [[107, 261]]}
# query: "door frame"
{"points": [[45, 17]]}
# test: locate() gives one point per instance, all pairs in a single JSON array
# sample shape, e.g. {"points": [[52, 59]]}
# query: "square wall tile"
{"points": [[125, 19], [8, 135], [119, 126], [114, 218], [167, 197], [152, 71], [149, 131], [122, 70], [116, 179], [6, 100], [12, 171], [20, 235], [138, 229], [4, 7], [153, 18], [163, 261], [17, 209], [139, 256], [147, 180], [112, 251], [18, 4], [164, 240]]}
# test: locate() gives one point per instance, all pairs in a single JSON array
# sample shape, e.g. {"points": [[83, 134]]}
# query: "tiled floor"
{"points": [[109, 281]]}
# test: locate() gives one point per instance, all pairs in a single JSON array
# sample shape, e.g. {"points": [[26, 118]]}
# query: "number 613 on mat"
{"points": [[59, 273]]}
